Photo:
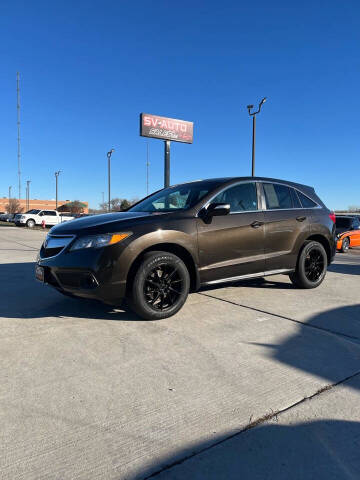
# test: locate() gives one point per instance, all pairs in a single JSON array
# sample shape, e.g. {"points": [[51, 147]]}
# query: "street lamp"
{"points": [[109, 158], [56, 180], [253, 114], [28, 194], [10, 192]]}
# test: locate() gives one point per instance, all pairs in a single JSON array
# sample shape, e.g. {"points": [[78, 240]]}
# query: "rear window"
{"points": [[277, 196], [342, 222], [305, 201]]}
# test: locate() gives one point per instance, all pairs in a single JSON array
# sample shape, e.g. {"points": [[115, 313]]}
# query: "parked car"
{"points": [[190, 235], [8, 217], [347, 233], [36, 217]]}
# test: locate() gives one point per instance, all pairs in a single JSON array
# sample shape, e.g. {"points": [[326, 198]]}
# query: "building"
{"points": [[39, 204]]}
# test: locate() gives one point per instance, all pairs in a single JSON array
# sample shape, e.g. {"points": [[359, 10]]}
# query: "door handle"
{"points": [[257, 224], [300, 219]]}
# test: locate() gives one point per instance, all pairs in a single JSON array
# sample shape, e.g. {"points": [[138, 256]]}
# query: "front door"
{"points": [[50, 217], [233, 245]]}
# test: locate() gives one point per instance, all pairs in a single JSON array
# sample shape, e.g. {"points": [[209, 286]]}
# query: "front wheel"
{"points": [[311, 266], [160, 286], [345, 245], [30, 223]]}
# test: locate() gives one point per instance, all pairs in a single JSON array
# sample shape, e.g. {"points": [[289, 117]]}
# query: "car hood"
{"points": [[108, 222]]}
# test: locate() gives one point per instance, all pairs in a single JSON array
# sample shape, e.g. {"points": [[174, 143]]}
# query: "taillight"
{"points": [[332, 217]]}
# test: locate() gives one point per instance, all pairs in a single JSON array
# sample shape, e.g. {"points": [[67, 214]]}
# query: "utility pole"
{"points": [[109, 175], [18, 129], [56, 180], [10, 192], [147, 167], [253, 115]]}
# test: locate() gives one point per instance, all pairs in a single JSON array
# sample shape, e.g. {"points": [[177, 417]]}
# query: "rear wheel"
{"points": [[345, 245], [160, 286], [311, 266]]}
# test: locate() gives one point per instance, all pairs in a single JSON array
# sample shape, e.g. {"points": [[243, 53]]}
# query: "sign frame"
{"points": [[165, 128]]}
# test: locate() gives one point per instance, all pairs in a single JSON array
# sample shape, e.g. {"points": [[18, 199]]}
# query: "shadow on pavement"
{"points": [[27, 298], [345, 268], [322, 450]]}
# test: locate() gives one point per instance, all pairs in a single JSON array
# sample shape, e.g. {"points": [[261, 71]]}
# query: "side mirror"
{"points": [[218, 209], [214, 210]]}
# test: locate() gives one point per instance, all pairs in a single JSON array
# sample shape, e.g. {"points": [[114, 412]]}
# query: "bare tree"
{"points": [[13, 206], [354, 208]]}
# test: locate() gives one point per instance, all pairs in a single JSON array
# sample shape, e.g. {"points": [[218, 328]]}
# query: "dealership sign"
{"points": [[166, 128]]}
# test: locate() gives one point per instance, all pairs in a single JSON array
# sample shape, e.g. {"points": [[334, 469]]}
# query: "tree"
{"points": [[13, 206], [117, 205], [354, 208], [74, 207], [125, 204]]}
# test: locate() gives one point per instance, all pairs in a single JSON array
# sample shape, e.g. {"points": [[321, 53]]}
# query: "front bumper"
{"points": [[92, 273]]}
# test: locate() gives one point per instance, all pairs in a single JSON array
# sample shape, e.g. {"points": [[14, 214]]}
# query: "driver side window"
{"points": [[241, 197]]}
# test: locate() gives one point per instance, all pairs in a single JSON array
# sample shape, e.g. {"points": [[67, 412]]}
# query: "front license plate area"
{"points": [[39, 274]]}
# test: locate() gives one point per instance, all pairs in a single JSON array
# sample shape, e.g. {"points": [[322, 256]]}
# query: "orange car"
{"points": [[347, 233]]}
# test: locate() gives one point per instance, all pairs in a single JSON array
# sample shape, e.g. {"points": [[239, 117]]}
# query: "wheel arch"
{"points": [[174, 248], [324, 242]]}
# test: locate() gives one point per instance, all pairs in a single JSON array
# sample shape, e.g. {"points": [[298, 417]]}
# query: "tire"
{"points": [[160, 286], [311, 266], [345, 245], [30, 223]]}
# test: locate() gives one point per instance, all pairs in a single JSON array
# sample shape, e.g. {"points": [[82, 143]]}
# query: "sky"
{"points": [[89, 68]]}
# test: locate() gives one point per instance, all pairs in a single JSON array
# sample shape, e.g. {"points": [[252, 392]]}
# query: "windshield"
{"points": [[35, 212], [179, 197], [342, 222]]}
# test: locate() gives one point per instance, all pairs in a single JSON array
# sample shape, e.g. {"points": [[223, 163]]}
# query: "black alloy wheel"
{"points": [[163, 287], [160, 286], [314, 264], [311, 266]]}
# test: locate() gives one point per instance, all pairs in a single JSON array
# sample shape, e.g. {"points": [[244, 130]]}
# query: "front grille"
{"points": [[55, 244], [50, 252]]}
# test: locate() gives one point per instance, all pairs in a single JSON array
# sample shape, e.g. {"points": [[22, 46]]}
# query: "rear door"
{"points": [[287, 225], [233, 245]]}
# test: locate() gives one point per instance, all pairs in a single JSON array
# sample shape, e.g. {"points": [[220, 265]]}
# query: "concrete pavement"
{"points": [[89, 392]]}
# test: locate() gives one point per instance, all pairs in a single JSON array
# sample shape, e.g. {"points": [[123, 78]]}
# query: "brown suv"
{"points": [[190, 235]]}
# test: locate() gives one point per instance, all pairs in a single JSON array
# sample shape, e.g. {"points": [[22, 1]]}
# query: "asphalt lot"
{"points": [[89, 392]]}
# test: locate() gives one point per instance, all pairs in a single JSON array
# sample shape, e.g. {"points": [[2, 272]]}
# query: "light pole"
{"points": [[109, 174], [10, 192], [28, 194], [249, 107], [56, 181]]}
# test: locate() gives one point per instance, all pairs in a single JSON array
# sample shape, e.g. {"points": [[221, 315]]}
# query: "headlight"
{"points": [[97, 241]]}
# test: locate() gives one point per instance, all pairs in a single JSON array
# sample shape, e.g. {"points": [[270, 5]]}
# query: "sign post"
{"points": [[167, 164], [167, 129]]}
